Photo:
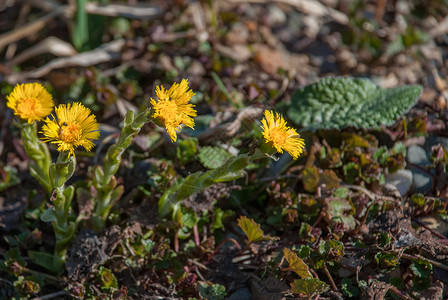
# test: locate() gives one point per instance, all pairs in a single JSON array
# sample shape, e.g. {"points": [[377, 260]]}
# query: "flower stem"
{"points": [[104, 180], [59, 212], [39, 155]]}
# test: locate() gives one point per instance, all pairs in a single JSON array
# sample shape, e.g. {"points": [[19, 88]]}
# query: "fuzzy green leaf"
{"points": [[49, 215], [197, 182], [309, 286], [345, 102], [253, 230], [213, 157], [296, 264]]}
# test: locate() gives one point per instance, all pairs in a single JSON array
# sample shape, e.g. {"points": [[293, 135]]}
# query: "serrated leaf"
{"points": [[253, 230], [309, 286], [341, 192], [333, 250], [329, 178], [339, 210], [350, 102], [213, 157], [107, 279], [296, 264]]}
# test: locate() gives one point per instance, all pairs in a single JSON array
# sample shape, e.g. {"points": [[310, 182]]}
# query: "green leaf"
{"points": [[210, 291], [189, 219], [186, 150], [296, 264], [218, 218], [339, 210], [348, 289], [46, 260], [333, 250], [197, 182], [309, 286], [384, 239], [49, 215], [421, 268], [398, 282], [10, 178], [80, 32], [350, 102], [418, 199], [310, 179], [387, 260], [213, 157], [107, 279], [351, 172], [341, 192], [381, 155], [354, 140], [253, 230]]}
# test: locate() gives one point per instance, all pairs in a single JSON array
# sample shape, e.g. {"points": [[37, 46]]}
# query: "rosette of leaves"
{"points": [[350, 102]]}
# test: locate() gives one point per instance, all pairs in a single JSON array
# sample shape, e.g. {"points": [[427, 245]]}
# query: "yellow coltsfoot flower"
{"points": [[172, 109], [30, 101], [281, 137], [72, 127]]}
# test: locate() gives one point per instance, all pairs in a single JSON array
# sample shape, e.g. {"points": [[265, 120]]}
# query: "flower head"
{"points": [[281, 137], [30, 101], [173, 108], [73, 126]]}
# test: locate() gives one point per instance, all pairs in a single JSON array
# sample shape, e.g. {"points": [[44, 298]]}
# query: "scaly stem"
{"points": [[59, 213], [104, 180], [40, 159]]}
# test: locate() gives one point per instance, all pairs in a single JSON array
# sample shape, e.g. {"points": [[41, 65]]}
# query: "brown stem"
{"points": [[435, 263], [176, 242], [333, 285], [398, 293], [196, 234], [438, 234], [228, 240], [364, 219]]}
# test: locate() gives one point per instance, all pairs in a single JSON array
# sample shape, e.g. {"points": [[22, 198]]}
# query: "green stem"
{"points": [[59, 213], [104, 179], [38, 154]]}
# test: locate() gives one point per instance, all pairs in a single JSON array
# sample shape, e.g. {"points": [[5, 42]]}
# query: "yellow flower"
{"points": [[30, 101], [72, 127], [281, 137], [173, 108]]}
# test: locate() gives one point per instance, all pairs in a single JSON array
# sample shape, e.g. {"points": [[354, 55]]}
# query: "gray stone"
{"points": [[241, 294], [421, 181], [402, 180], [417, 155]]}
